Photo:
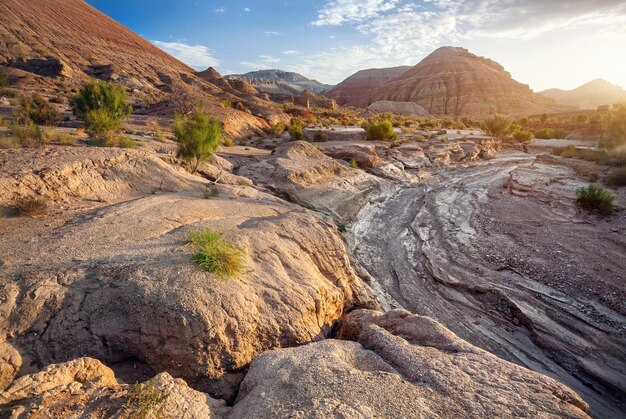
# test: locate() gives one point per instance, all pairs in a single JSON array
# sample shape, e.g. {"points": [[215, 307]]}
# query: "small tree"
{"points": [[102, 107], [186, 98], [497, 126], [198, 137]]}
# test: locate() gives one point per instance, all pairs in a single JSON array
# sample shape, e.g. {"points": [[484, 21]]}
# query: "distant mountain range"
{"points": [[451, 81], [280, 82], [596, 93]]}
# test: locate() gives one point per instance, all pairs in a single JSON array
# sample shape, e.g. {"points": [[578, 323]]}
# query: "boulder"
{"points": [[400, 365]]}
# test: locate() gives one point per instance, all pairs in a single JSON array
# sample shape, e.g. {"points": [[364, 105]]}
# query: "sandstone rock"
{"points": [[303, 174], [86, 388], [365, 155], [119, 284], [402, 366], [281, 82], [353, 89]]}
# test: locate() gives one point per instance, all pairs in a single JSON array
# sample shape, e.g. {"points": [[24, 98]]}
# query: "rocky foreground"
{"points": [[101, 292]]}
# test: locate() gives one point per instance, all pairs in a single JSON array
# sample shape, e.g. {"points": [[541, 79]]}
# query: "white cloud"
{"points": [[219, 10], [271, 33], [337, 12], [263, 62], [291, 52], [199, 57], [247, 9], [403, 31]]}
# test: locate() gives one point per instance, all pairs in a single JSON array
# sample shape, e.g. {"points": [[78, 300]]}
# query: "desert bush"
{"points": [[354, 164], [63, 138], [228, 142], [278, 129], [381, 130], [186, 98], [143, 401], [102, 107], [342, 228], [7, 143], [28, 134], [420, 139], [29, 206], [126, 142], [295, 131], [242, 108], [198, 136], [35, 108], [227, 103], [4, 80], [617, 178], [216, 254], [522, 136], [615, 133], [211, 193], [320, 137], [545, 133], [8, 93], [595, 199], [57, 99], [497, 126]]}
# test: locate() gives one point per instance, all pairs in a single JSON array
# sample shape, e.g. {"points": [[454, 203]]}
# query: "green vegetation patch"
{"points": [[216, 254], [595, 199]]}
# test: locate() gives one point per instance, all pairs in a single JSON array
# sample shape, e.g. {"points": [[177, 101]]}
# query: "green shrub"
{"points": [[228, 142], [198, 137], [63, 138], [497, 126], [295, 131], [29, 206], [545, 133], [4, 80], [144, 401], [354, 164], [227, 103], [102, 107], [211, 193], [522, 136], [35, 108], [278, 129], [381, 131], [7, 143], [320, 137], [595, 199], [617, 178], [126, 142], [29, 134], [216, 254], [342, 228]]}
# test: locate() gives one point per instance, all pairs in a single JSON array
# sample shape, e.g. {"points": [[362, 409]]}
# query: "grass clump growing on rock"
{"points": [[144, 401], [216, 254], [595, 199]]}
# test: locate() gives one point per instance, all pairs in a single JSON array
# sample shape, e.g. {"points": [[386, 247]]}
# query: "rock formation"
{"points": [[355, 88], [589, 96], [400, 108], [280, 82]]}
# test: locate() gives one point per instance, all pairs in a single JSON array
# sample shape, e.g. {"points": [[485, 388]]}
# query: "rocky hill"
{"points": [[596, 93], [70, 38], [280, 82], [359, 85], [454, 82]]}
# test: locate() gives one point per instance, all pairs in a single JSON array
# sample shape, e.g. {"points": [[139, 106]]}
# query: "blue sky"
{"points": [[542, 43]]}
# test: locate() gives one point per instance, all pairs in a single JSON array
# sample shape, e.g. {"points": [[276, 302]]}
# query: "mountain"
{"points": [[280, 82], [452, 81], [72, 39], [590, 95], [359, 85]]}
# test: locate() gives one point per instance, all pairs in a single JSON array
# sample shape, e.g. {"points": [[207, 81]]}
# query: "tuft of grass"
{"points": [[63, 138], [617, 178], [29, 206], [354, 164], [9, 143], [127, 142], [342, 228], [595, 199], [216, 254], [144, 401], [211, 193]]}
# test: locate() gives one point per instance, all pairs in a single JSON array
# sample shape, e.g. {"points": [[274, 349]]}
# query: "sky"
{"points": [[543, 43]]}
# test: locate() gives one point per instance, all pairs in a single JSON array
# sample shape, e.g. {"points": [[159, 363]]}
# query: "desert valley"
{"points": [[435, 240]]}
